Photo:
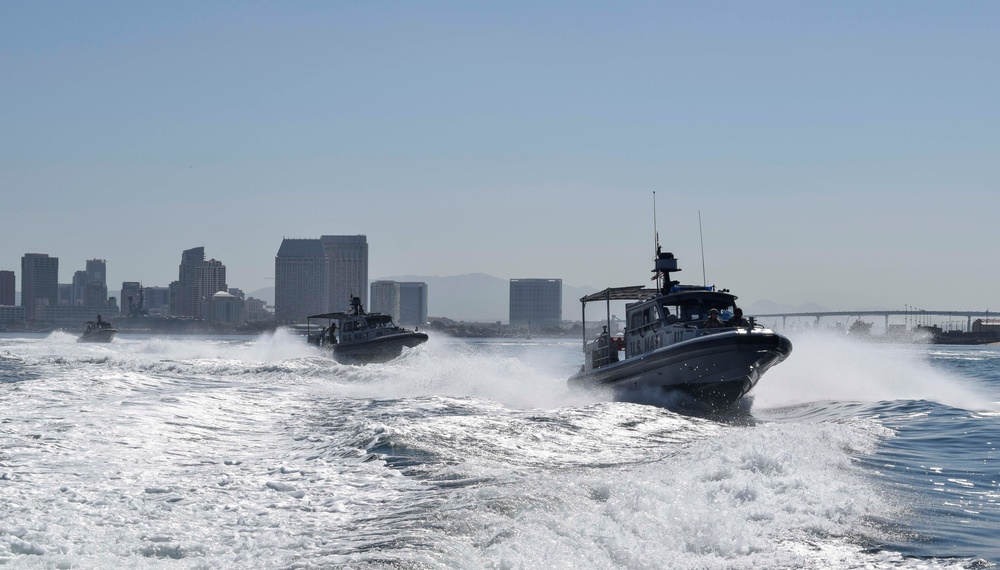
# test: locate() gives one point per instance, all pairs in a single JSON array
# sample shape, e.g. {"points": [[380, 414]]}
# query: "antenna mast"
{"points": [[701, 236], [656, 240]]}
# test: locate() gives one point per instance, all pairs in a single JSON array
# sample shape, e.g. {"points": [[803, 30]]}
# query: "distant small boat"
{"points": [[97, 331], [357, 337]]}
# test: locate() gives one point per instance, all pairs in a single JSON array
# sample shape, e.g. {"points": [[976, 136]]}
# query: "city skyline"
{"points": [[843, 154]]}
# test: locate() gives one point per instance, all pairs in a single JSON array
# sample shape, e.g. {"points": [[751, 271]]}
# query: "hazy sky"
{"points": [[844, 153]]}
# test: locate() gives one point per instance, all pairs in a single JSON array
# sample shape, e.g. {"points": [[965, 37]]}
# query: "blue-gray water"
{"points": [[188, 452]]}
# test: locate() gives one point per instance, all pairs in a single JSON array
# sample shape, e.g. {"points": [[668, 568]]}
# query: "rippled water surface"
{"points": [[189, 452]]}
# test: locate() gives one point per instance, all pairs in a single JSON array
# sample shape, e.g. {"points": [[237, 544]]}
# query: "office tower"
{"points": [[347, 258], [210, 278], [405, 301], [132, 302], [187, 301], [39, 282], [8, 281], [156, 300], [65, 294], [97, 270], [535, 303], [95, 285], [76, 293], [301, 280]]}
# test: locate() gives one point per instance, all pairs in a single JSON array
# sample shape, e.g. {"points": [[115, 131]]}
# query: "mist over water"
{"points": [[262, 452], [827, 366]]}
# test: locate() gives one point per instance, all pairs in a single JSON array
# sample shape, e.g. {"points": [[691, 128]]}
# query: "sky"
{"points": [[840, 153]]}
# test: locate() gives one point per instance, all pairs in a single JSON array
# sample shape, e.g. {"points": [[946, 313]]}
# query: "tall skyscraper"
{"points": [[188, 301], [535, 303], [210, 278], [131, 298], [405, 301], [8, 281], [347, 258], [39, 282], [97, 270], [79, 283], [301, 280]]}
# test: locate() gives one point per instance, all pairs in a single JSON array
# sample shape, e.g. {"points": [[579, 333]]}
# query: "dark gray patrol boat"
{"points": [[357, 337], [684, 338], [97, 331]]}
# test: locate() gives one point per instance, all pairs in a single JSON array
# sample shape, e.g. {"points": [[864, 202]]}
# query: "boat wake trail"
{"points": [[832, 367]]}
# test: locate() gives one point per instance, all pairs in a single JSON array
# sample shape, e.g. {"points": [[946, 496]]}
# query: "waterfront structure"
{"points": [[406, 301], [535, 303], [8, 282], [71, 317], [301, 280], [347, 270], [986, 325], [11, 315], [39, 282]]}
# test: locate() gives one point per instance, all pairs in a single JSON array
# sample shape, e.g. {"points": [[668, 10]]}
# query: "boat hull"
{"points": [[376, 350], [98, 335], [716, 369]]}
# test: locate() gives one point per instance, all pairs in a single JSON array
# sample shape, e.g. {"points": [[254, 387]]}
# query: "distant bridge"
{"points": [[917, 316]]}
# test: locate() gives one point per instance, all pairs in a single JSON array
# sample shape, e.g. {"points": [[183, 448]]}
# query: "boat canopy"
{"points": [[340, 315], [633, 293]]}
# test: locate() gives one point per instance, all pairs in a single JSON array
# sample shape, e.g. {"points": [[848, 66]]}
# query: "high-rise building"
{"points": [[155, 299], [347, 258], [76, 293], [131, 298], [301, 280], [95, 286], [39, 282], [405, 301], [8, 281], [210, 278], [188, 305], [197, 281], [535, 303], [97, 270]]}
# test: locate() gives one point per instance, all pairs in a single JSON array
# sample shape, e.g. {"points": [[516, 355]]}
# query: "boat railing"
{"points": [[601, 351]]}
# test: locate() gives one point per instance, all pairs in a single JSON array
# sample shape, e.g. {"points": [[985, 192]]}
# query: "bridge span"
{"points": [[914, 317]]}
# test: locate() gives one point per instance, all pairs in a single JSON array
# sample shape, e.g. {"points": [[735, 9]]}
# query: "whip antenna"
{"points": [[701, 236], [656, 239]]}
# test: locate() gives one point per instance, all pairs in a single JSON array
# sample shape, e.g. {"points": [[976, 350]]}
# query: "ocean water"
{"points": [[185, 452]]}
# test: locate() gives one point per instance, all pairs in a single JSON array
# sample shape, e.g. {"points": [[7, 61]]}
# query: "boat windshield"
{"points": [[696, 310]]}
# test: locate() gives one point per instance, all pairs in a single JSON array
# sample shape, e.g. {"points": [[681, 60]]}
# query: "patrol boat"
{"points": [[97, 331], [685, 338], [358, 337]]}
